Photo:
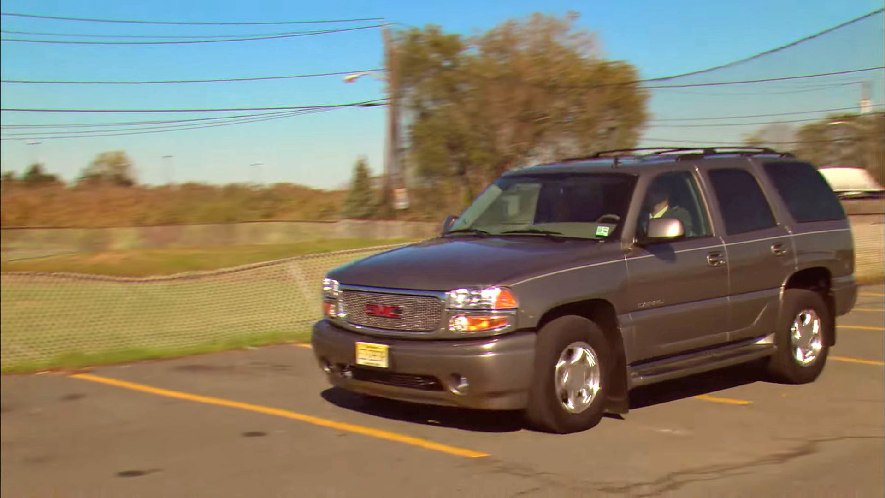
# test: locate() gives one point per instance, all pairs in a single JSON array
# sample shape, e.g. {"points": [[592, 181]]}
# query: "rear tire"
{"points": [[802, 339], [571, 379]]}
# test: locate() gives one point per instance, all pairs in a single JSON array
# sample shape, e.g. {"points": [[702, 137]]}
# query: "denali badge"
{"points": [[384, 310]]}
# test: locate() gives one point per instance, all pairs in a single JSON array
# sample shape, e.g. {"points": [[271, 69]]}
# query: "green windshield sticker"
{"points": [[602, 231]]}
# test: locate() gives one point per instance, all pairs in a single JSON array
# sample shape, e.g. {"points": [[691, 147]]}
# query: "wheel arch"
{"points": [[604, 315], [817, 279]]}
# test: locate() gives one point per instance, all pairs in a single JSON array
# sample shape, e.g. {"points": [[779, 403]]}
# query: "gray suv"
{"points": [[565, 285]]}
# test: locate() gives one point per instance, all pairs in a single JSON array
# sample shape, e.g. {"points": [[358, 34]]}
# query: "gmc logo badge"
{"points": [[384, 310]]}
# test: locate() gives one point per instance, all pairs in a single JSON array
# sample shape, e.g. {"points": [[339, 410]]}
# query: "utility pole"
{"points": [[866, 105], [394, 193]]}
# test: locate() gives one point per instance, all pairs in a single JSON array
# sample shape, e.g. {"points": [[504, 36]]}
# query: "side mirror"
{"points": [[664, 229], [447, 224]]}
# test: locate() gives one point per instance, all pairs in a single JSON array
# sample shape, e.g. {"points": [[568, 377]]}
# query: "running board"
{"points": [[701, 361]]}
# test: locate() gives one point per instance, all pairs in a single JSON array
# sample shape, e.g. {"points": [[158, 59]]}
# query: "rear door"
{"points": [[758, 248]]}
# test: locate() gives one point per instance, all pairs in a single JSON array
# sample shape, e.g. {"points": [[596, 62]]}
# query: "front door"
{"points": [[679, 288]]}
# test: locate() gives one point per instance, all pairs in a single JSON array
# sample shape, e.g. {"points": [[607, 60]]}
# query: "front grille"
{"points": [[421, 382], [417, 313]]}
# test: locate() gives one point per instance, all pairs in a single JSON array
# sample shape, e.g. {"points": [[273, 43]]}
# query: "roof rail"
{"points": [[688, 152]]}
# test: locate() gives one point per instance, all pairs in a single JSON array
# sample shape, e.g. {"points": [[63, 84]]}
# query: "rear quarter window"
{"points": [[807, 195]]}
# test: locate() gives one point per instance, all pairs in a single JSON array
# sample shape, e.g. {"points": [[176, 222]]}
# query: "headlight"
{"points": [[490, 298], [492, 309], [331, 289], [333, 306]]}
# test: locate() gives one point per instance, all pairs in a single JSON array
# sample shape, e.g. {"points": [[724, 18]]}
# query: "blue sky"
{"points": [[660, 38]]}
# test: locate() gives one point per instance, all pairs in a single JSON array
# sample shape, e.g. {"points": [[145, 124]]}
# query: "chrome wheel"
{"points": [[806, 338], [578, 377]]}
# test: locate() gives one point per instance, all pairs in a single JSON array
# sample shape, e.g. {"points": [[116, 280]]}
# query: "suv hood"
{"points": [[450, 263]]}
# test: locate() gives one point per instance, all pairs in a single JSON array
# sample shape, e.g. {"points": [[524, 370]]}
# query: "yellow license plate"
{"points": [[372, 355]]}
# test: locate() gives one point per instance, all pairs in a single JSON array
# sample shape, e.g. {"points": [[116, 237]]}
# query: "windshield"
{"points": [[587, 206]]}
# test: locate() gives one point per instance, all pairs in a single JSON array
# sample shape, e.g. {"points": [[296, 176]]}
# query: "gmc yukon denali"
{"points": [[565, 285]]}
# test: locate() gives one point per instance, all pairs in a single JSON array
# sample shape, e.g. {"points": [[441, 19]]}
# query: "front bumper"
{"points": [[498, 370]]}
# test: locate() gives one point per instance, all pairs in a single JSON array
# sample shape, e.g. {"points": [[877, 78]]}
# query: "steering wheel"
{"points": [[608, 216]]}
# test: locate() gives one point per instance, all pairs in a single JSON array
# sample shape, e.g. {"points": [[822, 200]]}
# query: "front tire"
{"points": [[572, 371], [802, 339]]}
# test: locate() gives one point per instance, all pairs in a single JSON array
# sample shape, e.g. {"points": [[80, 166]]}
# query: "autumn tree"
{"points": [[361, 201], [110, 168], [523, 92], [846, 140], [36, 176]]}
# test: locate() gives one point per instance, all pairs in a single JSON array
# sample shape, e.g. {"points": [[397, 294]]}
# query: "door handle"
{"points": [[778, 249], [715, 259]]}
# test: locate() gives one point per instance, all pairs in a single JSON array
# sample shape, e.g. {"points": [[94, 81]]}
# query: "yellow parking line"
{"points": [[727, 401], [862, 327], [861, 361], [278, 412], [303, 345], [873, 310], [871, 294]]}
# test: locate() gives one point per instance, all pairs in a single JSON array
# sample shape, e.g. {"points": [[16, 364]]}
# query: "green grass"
{"points": [[74, 360], [70, 322], [167, 261]]}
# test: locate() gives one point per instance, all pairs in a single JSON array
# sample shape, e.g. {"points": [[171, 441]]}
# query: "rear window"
{"points": [[805, 192]]}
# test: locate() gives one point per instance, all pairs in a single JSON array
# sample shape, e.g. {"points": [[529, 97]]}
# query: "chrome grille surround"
{"points": [[420, 313]]}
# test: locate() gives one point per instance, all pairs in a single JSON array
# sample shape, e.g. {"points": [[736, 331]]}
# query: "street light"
{"points": [[257, 168], [35, 157], [393, 178], [842, 135], [169, 168]]}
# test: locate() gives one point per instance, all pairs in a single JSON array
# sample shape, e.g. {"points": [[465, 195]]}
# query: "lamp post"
{"points": [[257, 172], [35, 157], [167, 159], [393, 189], [844, 131]]}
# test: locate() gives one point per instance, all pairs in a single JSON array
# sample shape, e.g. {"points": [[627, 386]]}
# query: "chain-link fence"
{"points": [[869, 247], [48, 319], [53, 318]]}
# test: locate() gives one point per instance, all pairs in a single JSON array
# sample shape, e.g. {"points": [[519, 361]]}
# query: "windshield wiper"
{"points": [[471, 231], [535, 231]]}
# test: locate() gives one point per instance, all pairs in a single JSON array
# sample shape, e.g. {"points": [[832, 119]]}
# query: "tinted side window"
{"points": [[675, 195], [742, 202], [807, 195]]}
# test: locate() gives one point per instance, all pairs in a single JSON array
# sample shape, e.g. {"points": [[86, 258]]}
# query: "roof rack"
{"points": [[683, 153]]}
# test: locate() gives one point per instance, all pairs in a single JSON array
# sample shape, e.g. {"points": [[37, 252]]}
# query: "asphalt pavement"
{"points": [[264, 422]]}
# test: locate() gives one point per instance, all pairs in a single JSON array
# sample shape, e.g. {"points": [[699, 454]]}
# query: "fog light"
{"points": [[458, 384], [326, 366]]}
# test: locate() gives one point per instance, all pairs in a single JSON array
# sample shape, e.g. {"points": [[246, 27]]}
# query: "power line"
{"points": [[129, 123], [720, 142], [193, 42], [818, 88], [767, 80], [145, 125], [177, 82], [713, 125], [194, 23], [653, 122], [367, 103], [171, 127], [107, 133], [836, 109], [768, 52], [169, 37]]}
